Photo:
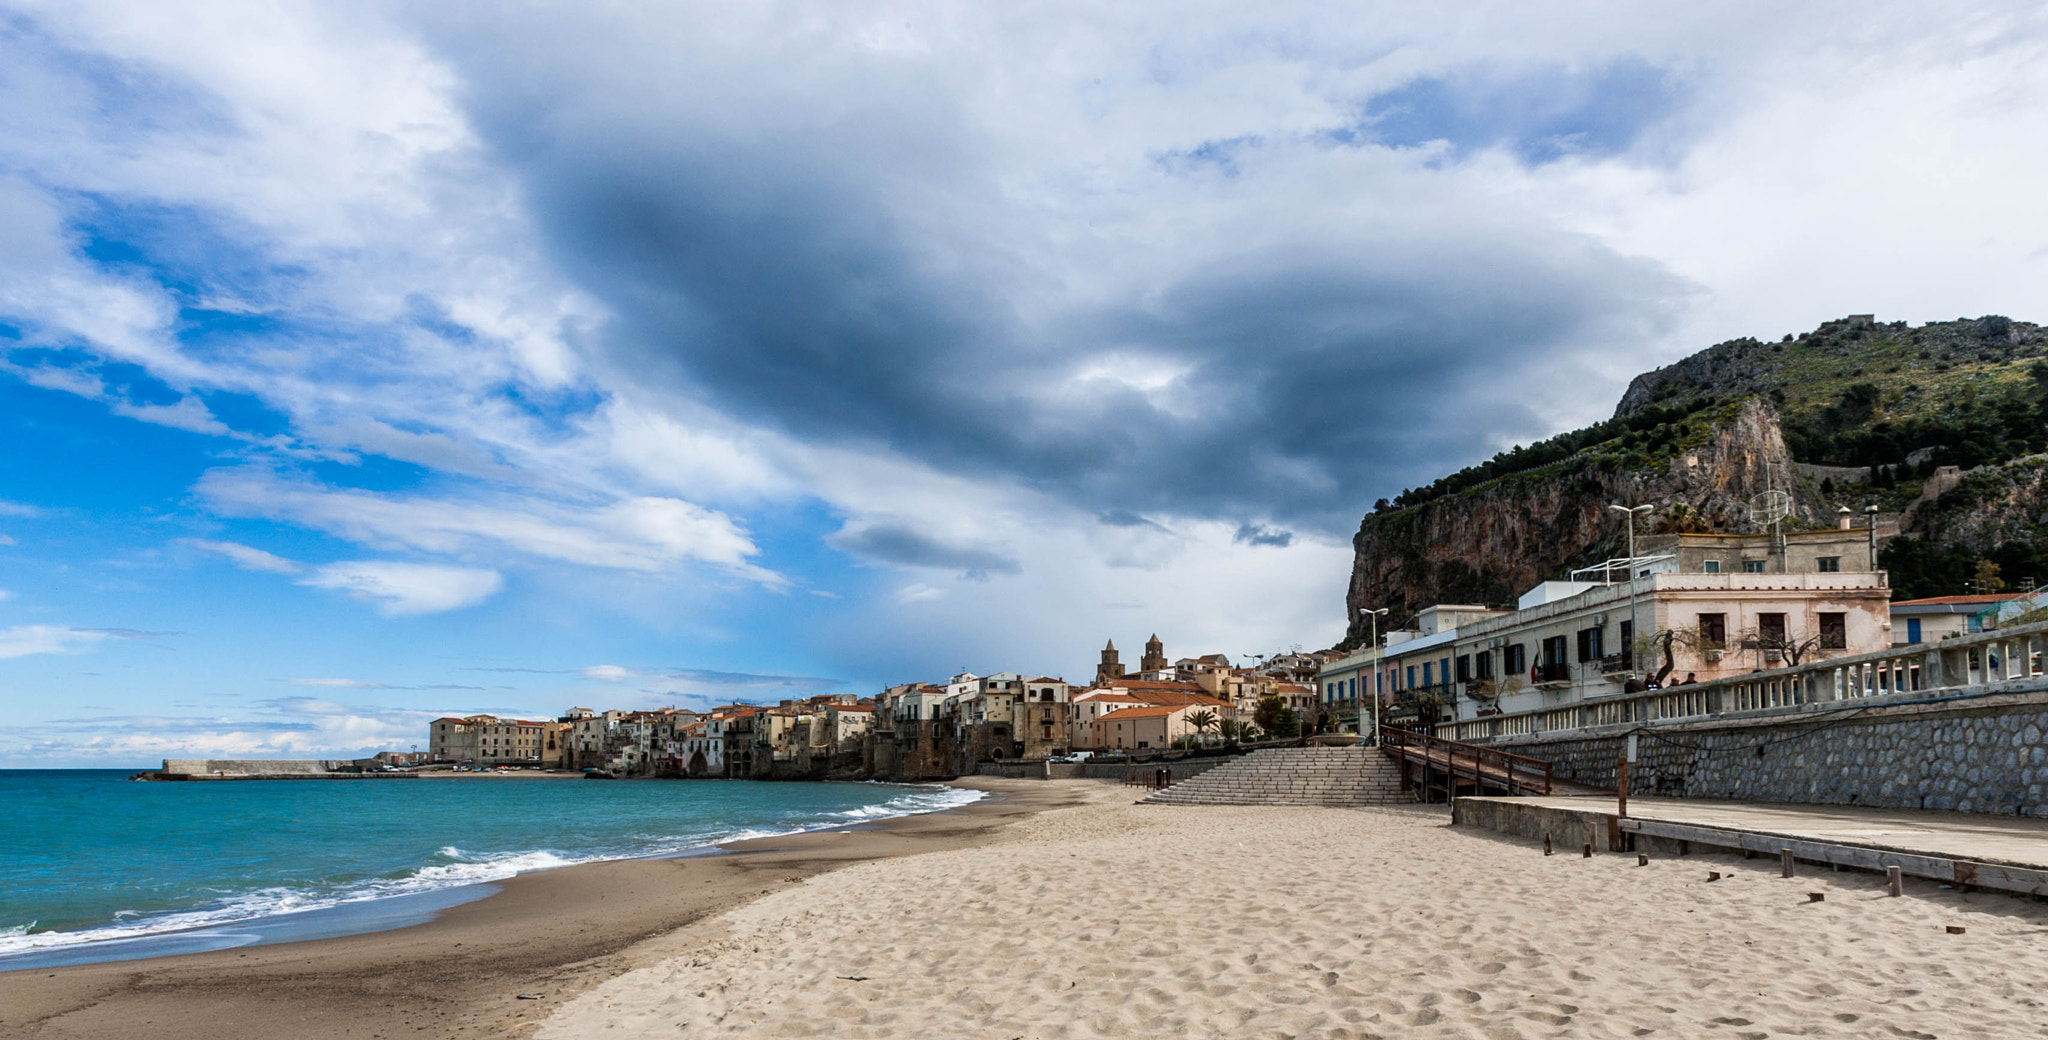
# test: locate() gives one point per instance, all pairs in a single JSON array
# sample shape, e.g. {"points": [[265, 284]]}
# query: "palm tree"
{"points": [[1203, 721]]}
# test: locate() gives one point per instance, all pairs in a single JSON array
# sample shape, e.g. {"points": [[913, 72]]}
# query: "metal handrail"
{"points": [[1515, 770], [1980, 659]]}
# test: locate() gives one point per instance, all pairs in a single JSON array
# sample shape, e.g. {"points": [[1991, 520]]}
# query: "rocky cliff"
{"points": [[1491, 542], [1943, 427]]}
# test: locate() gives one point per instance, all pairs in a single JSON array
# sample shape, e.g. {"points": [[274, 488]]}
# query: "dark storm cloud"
{"points": [[1259, 534], [891, 543], [825, 243]]}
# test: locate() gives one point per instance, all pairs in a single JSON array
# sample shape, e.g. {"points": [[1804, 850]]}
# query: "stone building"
{"points": [[1109, 669]]}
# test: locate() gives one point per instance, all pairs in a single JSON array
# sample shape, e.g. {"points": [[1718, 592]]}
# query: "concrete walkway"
{"points": [[2013, 840]]}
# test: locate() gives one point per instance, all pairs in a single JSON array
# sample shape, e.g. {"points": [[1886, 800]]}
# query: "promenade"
{"points": [[2001, 852]]}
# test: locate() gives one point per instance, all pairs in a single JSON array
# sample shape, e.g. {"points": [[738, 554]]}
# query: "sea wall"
{"points": [[1981, 755], [1039, 769]]}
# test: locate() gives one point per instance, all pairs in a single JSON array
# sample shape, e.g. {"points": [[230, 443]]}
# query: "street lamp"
{"points": [[1628, 647], [1374, 616], [1870, 525]]}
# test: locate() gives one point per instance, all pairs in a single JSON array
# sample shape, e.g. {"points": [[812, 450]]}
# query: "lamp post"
{"points": [[1870, 527], [1628, 647], [1374, 617]]}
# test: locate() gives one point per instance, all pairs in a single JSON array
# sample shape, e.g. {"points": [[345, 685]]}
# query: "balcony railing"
{"points": [[1983, 659]]}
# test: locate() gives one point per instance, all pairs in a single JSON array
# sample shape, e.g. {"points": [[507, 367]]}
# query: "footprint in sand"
{"points": [[1494, 968]]}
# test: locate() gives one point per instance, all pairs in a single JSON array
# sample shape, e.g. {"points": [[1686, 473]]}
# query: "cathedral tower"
{"points": [[1155, 655], [1110, 670]]}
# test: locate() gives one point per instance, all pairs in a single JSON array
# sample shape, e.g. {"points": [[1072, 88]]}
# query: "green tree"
{"points": [[1276, 718], [1987, 578], [1203, 721]]}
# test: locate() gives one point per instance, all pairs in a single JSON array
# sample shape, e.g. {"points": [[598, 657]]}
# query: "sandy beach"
{"points": [[1115, 920], [552, 933], [1063, 910]]}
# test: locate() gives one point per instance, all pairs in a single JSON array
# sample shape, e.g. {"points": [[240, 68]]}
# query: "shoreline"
{"points": [[552, 933]]}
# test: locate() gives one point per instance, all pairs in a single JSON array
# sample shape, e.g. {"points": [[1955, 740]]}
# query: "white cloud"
{"points": [[918, 592], [401, 589], [188, 413], [340, 684], [23, 640], [292, 727], [247, 557], [18, 509], [643, 533], [609, 673]]}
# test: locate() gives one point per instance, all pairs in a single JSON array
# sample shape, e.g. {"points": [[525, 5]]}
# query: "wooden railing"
{"points": [[1950, 666], [1434, 761]]}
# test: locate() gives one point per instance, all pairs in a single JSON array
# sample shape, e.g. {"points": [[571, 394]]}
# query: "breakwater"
{"points": [[271, 769]]}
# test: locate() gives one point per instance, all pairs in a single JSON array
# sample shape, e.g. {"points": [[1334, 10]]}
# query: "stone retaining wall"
{"points": [[1981, 755]]}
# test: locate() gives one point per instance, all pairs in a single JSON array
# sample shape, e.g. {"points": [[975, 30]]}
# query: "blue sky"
{"points": [[362, 363]]}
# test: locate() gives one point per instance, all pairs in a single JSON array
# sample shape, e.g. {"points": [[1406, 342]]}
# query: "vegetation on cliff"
{"points": [[1852, 413]]}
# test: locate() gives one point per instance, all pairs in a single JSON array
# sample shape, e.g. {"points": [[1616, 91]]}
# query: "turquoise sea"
{"points": [[98, 867]]}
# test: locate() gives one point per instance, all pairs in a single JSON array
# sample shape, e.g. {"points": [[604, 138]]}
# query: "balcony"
{"points": [[1553, 676]]}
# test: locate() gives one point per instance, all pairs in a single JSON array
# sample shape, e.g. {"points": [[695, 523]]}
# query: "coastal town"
{"points": [[912, 731], [1712, 607]]}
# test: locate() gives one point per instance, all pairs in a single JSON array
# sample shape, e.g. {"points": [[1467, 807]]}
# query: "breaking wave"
{"points": [[452, 867]]}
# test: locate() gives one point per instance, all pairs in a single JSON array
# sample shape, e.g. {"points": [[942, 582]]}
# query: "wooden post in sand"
{"points": [[1621, 769], [1891, 878], [1784, 862]]}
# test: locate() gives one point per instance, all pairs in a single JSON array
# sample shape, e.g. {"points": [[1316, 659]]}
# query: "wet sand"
{"points": [[553, 933]]}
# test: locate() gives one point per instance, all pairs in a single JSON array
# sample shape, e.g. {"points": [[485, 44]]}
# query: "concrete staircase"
{"points": [[1295, 776]]}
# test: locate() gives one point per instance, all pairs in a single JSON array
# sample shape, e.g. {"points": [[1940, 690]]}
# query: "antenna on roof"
{"points": [[1769, 510]]}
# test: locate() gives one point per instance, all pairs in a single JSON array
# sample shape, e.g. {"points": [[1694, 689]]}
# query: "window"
{"points": [[1713, 631], [1834, 631], [1628, 644], [1553, 666], [1483, 662], [1771, 629], [1828, 564], [1912, 630], [1713, 567], [1428, 673], [1464, 667], [1590, 648], [1514, 659], [1411, 676], [1752, 566]]}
